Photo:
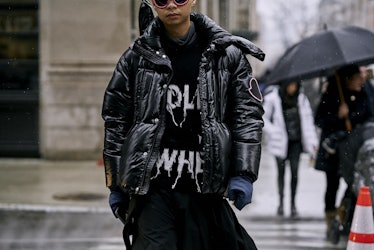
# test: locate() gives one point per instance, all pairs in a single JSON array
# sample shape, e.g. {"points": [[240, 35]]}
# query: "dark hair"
{"points": [[348, 71], [284, 85], [344, 73], [287, 100]]}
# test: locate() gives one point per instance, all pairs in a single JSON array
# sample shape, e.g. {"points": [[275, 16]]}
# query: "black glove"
{"points": [[240, 191], [119, 203]]}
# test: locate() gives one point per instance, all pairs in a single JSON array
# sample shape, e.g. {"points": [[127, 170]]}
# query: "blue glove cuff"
{"points": [[118, 199], [240, 191]]}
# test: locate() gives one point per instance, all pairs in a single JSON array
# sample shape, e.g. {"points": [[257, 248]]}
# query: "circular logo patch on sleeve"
{"points": [[254, 89]]}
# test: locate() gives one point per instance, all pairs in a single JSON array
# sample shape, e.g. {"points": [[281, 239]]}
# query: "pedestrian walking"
{"points": [[290, 131], [340, 115], [183, 127]]}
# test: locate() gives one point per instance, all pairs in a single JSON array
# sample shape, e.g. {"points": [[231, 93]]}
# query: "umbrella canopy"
{"points": [[322, 53]]}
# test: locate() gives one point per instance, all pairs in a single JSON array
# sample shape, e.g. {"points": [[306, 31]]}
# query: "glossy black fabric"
{"points": [[145, 17], [134, 110]]}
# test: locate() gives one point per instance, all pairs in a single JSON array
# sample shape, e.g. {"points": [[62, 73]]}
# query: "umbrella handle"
{"points": [[348, 124]]}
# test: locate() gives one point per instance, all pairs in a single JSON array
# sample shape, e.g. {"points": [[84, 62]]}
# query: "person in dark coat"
{"points": [[183, 128], [340, 118]]}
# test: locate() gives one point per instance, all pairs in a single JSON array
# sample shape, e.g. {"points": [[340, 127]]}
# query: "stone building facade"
{"points": [[79, 42], [336, 13]]}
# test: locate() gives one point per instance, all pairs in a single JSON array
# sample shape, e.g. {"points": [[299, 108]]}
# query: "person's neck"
{"points": [[178, 31]]}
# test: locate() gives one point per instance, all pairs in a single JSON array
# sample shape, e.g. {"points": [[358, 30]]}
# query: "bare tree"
{"points": [[296, 20]]}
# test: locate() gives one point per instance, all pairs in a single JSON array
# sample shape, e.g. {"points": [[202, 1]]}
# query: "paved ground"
{"points": [[58, 184], [63, 205], [25, 182]]}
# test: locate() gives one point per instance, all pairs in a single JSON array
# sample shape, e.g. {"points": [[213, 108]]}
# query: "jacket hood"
{"points": [[221, 38], [217, 37]]}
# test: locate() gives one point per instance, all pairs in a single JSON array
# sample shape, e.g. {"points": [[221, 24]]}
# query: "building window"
{"points": [[19, 78]]}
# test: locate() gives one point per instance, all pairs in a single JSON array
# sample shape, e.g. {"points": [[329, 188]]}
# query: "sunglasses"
{"points": [[163, 3]]}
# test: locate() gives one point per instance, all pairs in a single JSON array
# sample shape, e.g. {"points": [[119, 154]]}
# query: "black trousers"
{"points": [[293, 157], [170, 220], [332, 186]]}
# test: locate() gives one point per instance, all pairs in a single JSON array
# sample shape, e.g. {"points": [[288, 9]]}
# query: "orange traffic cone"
{"points": [[361, 236]]}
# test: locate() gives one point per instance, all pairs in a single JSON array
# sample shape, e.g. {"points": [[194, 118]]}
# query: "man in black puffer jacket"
{"points": [[183, 128]]}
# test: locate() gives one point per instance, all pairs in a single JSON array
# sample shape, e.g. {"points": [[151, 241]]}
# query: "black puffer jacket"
{"points": [[135, 104]]}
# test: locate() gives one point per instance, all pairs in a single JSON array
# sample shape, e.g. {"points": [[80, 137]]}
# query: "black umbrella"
{"points": [[324, 52]]}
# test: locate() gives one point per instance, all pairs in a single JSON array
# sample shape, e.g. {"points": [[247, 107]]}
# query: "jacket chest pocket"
{"points": [[149, 91]]}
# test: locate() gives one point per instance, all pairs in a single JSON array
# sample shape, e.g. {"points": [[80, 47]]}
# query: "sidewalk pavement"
{"points": [[37, 184]]}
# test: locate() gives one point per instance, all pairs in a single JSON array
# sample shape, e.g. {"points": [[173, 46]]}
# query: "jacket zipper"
{"points": [[144, 185]]}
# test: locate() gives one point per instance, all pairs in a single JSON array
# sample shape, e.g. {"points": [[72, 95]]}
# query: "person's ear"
{"points": [[193, 2]]}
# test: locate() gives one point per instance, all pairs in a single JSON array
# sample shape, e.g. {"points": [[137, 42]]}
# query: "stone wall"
{"points": [[80, 42]]}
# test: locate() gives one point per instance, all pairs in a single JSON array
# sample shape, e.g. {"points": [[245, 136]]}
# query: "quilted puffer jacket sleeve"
{"points": [[246, 119], [117, 112]]}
